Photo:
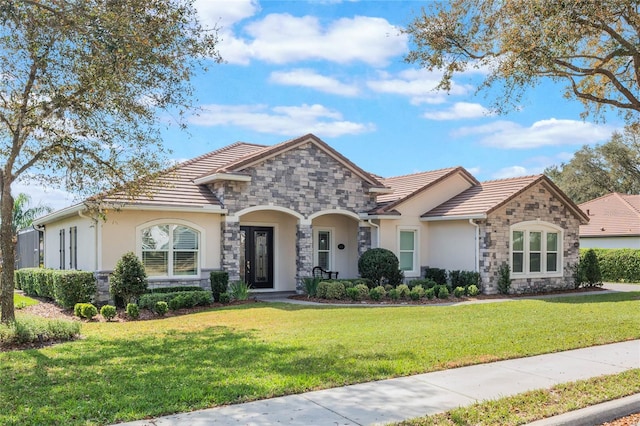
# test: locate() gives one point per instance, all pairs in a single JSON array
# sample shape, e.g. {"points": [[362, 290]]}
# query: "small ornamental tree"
{"points": [[378, 265], [591, 269], [129, 279]]}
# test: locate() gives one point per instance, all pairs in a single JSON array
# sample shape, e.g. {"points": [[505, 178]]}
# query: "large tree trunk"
{"points": [[8, 253]]}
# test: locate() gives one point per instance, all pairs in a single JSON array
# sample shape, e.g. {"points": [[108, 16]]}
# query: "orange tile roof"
{"points": [[175, 187], [613, 214], [486, 197]]}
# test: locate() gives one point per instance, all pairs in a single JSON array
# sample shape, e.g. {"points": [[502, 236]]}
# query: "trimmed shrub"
{"points": [[458, 291], [414, 294], [336, 290], [353, 294], [85, 310], [463, 278], [438, 275], [590, 269], [442, 292], [35, 281], [323, 287], [393, 294], [71, 287], [363, 289], [132, 311], [504, 278], [239, 290], [403, 291], [225, 298], [161, 308], [188, 299], [380, 266], [219, 283], [430, 293], [376, 293], [129, 279], [108, 312], [473, 290]]}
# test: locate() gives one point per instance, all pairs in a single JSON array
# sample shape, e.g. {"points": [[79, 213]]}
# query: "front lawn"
{"points": [[20, 301], [134, 370]]}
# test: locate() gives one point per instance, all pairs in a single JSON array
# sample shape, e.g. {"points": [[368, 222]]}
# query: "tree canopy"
{"points": [[82, 87], [591, 46], [596, 171]]}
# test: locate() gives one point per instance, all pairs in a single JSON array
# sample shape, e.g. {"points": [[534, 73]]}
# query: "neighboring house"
{"points": [[268, 214], [614, 222]]}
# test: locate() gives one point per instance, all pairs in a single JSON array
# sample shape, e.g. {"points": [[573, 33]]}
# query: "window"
{"points": [[323, 249], [407, 251], [73, 247], [170, 250], [61, 234], [535, 249]]}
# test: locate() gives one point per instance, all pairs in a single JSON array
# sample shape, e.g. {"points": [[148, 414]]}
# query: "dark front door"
{"points": [[256, 256]]}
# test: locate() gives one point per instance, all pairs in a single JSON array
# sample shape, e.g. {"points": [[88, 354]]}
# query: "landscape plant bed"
{"points": [[436, 301]]}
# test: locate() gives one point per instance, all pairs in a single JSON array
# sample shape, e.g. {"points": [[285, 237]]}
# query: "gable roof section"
{"points": [[408, 186], [480, 200], [174, 187], [611, 215], [238, 165]]}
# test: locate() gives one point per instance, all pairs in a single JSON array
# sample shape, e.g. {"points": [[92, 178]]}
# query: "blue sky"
{"points": [[335, 68]]}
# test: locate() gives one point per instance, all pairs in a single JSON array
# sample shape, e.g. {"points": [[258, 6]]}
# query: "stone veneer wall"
{"points": [[305, 180], [535, 203]]}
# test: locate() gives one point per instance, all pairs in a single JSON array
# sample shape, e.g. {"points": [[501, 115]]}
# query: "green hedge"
{"points": [[64, 287], [187, 299], [174, 289], [618, 265]]}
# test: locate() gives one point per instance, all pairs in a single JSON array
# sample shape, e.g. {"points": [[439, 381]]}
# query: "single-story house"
{"points": [[269, 214], [614, 222]]}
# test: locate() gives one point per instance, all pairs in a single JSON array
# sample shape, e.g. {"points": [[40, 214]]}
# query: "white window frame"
{"points": [[544, 228], [316, 246], [415, 272], [172, 223]]}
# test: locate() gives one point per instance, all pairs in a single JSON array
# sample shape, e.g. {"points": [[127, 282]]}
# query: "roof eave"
{"points": [[453, 217], [222, 176], [60, 214]]}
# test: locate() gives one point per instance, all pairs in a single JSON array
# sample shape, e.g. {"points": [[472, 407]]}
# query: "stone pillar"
{"points": [[230, 250], [364, 239], [304, 252]]}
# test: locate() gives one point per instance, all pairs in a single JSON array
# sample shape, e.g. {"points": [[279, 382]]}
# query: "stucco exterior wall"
{"points": [[344, 230], [610, 242], [86, 243], [452, 245], [536, 203]]}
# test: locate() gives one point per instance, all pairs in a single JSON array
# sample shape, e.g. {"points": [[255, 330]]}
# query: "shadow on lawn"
{"points": [[100, 381]]}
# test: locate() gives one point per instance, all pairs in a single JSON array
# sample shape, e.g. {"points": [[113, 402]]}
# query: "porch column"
{"points": [[230, 249], [304, 252], [364, 238]]}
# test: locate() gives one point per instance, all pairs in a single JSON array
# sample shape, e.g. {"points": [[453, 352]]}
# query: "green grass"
{"points": [[20, 301], [127, 371], [539, 404]]}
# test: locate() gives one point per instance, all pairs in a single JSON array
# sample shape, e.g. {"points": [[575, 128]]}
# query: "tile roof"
{"points": [[175, 186], [407, 186], [487, 196], [613, 214]]}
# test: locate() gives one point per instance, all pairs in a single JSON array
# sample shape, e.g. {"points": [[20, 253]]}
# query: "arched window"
{"points": [[170, 250], [536, 249]]}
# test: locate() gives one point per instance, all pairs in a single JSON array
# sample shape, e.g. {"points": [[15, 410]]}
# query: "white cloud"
{"points": [[225, 13], [417, 84], [458, 111], [45, 196], [311, 79], [515, 171], [551, 132], [281, 120], [282, 38]]}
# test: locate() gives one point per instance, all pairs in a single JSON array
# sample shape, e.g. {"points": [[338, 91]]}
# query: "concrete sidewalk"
{"points": [[407, 397]]}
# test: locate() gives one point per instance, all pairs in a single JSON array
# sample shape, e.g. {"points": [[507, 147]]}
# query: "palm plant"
{"points": [[23, 214]]}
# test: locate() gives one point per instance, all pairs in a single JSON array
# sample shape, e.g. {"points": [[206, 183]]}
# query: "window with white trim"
{"points": [[535, 249], [323, 257], [170, 250], [408, 251]]}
